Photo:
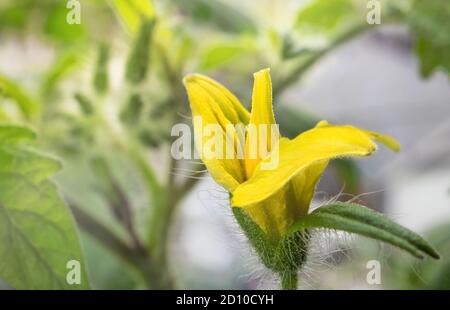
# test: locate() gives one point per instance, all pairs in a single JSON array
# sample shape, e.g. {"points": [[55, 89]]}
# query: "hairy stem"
{"points": [[289, 280]]}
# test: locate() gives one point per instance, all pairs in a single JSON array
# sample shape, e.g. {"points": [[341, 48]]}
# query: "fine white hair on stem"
{"points": [[190, 176], [357, 197], [195, 162], [337, 197], [327, 248], [183, 115], [190, 170]]}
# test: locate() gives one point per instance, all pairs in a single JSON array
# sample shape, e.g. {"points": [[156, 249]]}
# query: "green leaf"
{"points": [[139, 58], [100, 81], [220, 54], [57, 28], [131, 112], [64, 64], [15, 135], [37, 233], [26, 103], [130, 12], [84, 103], [289, 49], [360, 220], [430, 23], [294, 121], [326, 17], [412, 274], [349, 172], [217, 13], [14, 16]]}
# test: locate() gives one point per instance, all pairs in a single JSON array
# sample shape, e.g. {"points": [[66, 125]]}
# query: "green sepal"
{"points": [[354, 218], [286, 256]]}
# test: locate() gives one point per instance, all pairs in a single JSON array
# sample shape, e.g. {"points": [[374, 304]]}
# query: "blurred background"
{"points": [[103, 95]]}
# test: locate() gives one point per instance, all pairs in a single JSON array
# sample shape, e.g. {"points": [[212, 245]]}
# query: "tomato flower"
{"points": [[274, 198]]}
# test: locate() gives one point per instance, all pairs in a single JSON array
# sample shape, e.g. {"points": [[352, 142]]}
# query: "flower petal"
{"points": [[281, 210], [262, 115], [272, 215], [213, 105], [230, 106], [322, 143], [303, 186], [388, 141], [262, 110]]}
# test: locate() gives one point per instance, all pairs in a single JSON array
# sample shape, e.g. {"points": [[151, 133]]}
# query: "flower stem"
{"points": [[289, 280]]}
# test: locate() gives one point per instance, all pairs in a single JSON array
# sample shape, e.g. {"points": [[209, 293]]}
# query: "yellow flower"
{"points": [[273, 198]]}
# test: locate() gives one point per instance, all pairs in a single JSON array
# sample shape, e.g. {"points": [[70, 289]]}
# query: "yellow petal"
{"points": [[262, 116], [262, 110], [276, 214], [319, 144], [230, 106], [302, 188], [271, 215], [388, 141], [213, 105]]}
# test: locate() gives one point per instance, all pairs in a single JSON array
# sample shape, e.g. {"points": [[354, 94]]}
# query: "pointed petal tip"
{"points": [[191, 77], [388, 141], [262, 71], [322, 123]]}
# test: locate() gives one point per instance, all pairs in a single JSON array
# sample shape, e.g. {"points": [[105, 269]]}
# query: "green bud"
{"points": [[131, 113], [285, 257], [148, 138], [100, 81], [84, 103], [139, 58]]}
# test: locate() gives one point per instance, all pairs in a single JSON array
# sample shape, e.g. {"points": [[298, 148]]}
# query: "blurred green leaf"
{"points": [[223, 53], [218, 14], [26, 103], [84, 103], [131, 12], [15, 135], [293, 121], [325, 17], [101, 78], [289, 49], [63, 65], [430, 23], [112, 273], [139, 59], [424, 274], [350, 174], [37, 233], [14, 16], [131, 112], [57, 28], [360, 220], [149, 138]]}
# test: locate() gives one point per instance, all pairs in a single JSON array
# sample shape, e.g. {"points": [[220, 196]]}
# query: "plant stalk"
{"points": [[289, 280]]}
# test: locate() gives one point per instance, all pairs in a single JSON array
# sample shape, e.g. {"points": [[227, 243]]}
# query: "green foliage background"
{"points": [[104, 106]]}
